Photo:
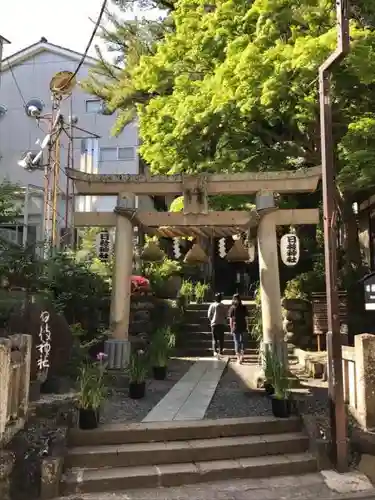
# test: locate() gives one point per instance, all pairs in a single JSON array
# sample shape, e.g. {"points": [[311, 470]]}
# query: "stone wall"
{"points": [[147, 314], [297, 323], [42, 441]]}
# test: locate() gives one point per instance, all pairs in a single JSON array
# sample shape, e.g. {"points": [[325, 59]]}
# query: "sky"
{"points": [[62, 22]]}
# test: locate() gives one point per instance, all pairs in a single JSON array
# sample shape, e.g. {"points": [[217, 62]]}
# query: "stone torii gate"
{"points": [[198, 221]]}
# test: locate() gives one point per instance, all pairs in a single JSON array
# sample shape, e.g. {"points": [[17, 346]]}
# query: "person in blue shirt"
{"points": [[238, 314]]}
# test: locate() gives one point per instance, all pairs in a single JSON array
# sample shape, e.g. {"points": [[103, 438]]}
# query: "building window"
{"points": [[14, 234], [108, 154], [116, 154], [126, 153], [94, 106]]}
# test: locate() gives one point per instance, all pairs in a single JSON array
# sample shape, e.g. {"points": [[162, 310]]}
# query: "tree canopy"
{"points": [[232, 86]]}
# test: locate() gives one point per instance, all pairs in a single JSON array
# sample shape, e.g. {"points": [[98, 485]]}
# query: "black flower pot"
{"points": [[269, 389], [280, 407], [160, 372], [137, 390], [88, 418]]}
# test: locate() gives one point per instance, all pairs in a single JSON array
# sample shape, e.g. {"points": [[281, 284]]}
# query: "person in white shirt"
{"points": [[217, 315]]}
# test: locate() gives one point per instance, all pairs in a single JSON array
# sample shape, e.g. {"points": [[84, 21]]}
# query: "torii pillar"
{"points": [[270, 293], [117, 347]]}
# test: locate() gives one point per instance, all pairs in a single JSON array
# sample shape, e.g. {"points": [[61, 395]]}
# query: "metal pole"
{"points": [[336, 392], [26, 216], [55, 193]]}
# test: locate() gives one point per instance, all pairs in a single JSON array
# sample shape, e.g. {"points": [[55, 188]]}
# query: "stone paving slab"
{"points": [[306, 487], [191, 396]]}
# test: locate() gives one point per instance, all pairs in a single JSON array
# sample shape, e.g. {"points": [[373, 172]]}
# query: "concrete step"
{"points": [[131, 455], [205, 340], [206, 352], [198, 307], [195, 327], [80, 481], [117, 434]]}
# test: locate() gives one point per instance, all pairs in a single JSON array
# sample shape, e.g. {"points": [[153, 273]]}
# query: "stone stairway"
{"points": [[196, 339], [119, 457]]}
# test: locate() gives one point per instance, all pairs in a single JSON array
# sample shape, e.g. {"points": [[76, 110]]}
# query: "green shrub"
{"points": [[187, 290], [200, 291], [162, 344], [159, 272]]}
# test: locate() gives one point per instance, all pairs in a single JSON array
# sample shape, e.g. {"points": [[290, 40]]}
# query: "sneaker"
{"points": [[215, 354]]}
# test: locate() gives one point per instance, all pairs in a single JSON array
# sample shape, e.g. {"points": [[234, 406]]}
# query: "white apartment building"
{"points": [[25, 79]]}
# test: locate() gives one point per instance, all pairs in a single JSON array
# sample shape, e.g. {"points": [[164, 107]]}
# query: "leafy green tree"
{"points": [[234, 88], [9, 209]]}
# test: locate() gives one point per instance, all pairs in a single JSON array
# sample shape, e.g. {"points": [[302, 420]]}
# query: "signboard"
{"points": [[369, 289], [104, 245], [320, 317], [289, 249]]}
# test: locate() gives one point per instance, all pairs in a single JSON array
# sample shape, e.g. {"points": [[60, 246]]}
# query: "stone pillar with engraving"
{"points": [[117, 347], [364, 348]]}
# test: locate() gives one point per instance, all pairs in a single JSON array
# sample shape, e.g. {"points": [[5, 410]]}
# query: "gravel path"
{"points": [[120, 408], [231, 400]]}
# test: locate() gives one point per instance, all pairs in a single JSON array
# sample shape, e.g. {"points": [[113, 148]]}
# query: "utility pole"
{"points": [[334, 342]]}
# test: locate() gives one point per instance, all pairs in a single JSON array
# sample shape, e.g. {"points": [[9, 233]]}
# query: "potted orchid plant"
{"points": [[137, 370], [92, 391], [162, 344]]}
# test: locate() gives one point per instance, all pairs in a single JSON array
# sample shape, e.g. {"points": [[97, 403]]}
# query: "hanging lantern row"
{"points": [[290, 249]]}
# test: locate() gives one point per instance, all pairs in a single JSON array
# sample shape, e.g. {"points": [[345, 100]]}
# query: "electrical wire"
{"points": [[16, 84], [21, 95], [97, 24]]}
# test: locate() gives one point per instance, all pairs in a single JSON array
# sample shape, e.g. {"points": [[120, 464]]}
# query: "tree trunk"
{"points": [[352, 266], [351, 247]]}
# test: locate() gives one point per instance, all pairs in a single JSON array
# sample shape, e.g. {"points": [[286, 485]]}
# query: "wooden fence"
{"points": [[15, 357]]}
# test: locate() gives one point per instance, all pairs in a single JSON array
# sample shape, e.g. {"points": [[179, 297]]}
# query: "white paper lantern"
{"points": [[222, 249], [251, 250], [104, 245], [290, 249], [176, 248]]}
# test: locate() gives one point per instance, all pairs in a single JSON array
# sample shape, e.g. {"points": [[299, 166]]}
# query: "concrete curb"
{"points": [[360, 495]]}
